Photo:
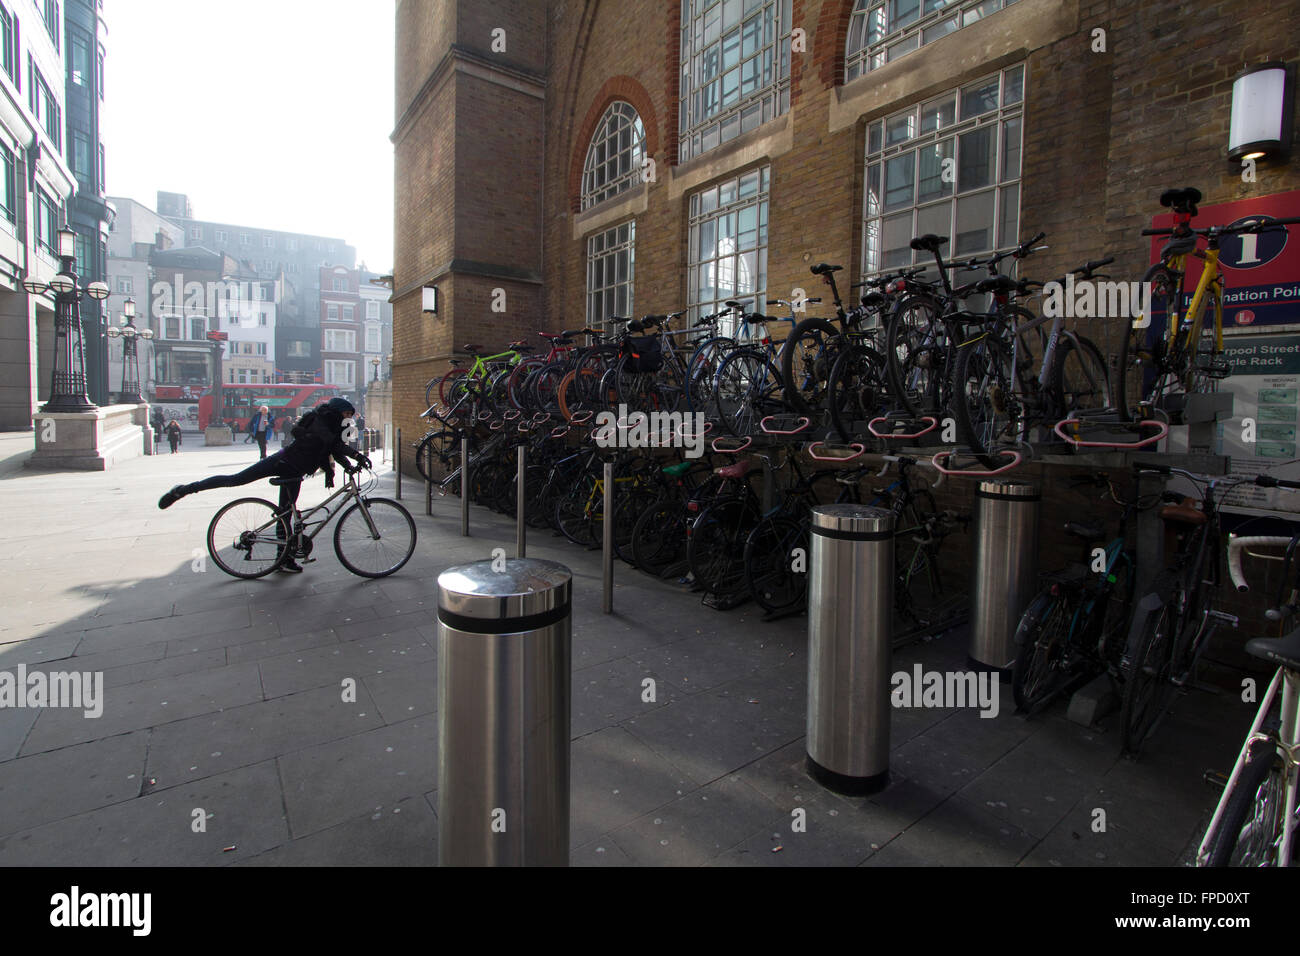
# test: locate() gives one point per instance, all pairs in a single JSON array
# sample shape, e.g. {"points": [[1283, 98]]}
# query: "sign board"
{"points": [[185, 413], [1261, 435], [1261, 273], [218, 336]]}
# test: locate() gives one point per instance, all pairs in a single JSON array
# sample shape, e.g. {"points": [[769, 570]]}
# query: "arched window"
{"points": [[880, 31], [615, 155]]}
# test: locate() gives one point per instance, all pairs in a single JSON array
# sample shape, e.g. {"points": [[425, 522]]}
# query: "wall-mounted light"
{"points": [[430, 303], [1262, 104]]}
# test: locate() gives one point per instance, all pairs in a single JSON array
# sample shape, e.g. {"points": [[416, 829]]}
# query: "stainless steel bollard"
{"points": [[504, 657], [428, 496], [850, 616], [1004, 575], [397, 463], [607, 552], [521, 544], [464, 487]]}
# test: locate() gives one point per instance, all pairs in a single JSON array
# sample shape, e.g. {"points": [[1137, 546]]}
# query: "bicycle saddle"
{"points": [[824, 268], [552, 335], [282, 480], [928, 243], [1280, 650], [520, 347], [1181, 200], [1086, 530], [998, 285], [1183, 513], [739, 470], [471, 349], [677, 470]]}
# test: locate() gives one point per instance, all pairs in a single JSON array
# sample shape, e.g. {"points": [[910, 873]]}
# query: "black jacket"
{"points": [[317, 437]]}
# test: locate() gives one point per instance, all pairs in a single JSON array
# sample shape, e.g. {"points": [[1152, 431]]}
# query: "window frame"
{"points": [[862, 55], [619, 116], [607, 246], [703, 208]]}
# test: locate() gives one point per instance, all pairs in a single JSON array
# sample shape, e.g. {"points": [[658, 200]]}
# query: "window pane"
{"points": [[900, 129], [941, 29], [979, 98], [979, 12], [974, 223], [1013, 89], [931, 183], [938, 114], [903, 12], [936, 219], [1009, 217], [874, 199], [903, 46], [896, 234], [1011, 149], [898, 181], [874, 137], [975, 168]]}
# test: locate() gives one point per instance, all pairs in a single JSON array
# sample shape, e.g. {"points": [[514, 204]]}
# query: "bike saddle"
{"points": [[928, 243], [282, 480], [739, 470], [998, 285], [1181, 200], [1280, 650], [1086, 530], [824, 268], [552, 335], [677, 470], [471, 349], [1183, 513]]}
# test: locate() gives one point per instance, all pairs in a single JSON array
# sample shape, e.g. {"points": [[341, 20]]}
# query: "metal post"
{"points": [[397, 463], [520, 526], [464, 487], [504, 690], [1004, 577], [767, 487], [607, 525], [428, 496], [388, 440]]}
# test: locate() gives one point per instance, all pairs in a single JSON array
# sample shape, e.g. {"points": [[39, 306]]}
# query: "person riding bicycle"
{"points": [[317, 444]]}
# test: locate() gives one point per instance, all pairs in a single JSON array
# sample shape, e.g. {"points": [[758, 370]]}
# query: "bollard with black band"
{"points": [[504, 685], [520, 528], [397, 464], [850, 621], [607, 552], [1004, 575], [464, 487]]}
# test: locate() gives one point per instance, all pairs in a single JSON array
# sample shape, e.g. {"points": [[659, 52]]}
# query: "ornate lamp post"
{"points": [[375, 362], [68, 377], [129, 335]]}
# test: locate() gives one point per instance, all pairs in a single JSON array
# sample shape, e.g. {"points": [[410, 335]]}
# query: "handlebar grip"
{"points": [[1236, 545], [1152, 467], [1268, 481]]}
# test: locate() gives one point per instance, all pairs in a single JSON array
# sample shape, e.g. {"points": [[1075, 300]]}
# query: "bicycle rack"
{"points": [[577, 419], [1162, 431], [746, 442], [683, 432], [484, 416], [804, 424], [559, 431], [947, 456], [541, 417], [495, 426], [857, 449], [511, 414], [930, 422]]}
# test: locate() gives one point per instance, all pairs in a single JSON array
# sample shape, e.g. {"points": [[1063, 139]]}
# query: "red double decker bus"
{"points": [[241, 402]]}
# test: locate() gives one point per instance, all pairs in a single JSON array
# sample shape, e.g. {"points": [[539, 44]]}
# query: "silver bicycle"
{"points": [[1255, 821], [375, 537]]}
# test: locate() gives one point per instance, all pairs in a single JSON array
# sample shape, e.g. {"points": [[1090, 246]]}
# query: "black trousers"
{"points": [[272, 466], [261, 442]]}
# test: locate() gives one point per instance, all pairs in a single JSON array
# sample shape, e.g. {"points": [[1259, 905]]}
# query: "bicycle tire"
{"points": [[715, 549], [269, 564], [1037, 676], [915, 329], [1137, 344], [1147, 689], [856, 390], [812, 346], [398, 518], [747, 389], [1258, 788], [1084, 389], [769, 564], [702, 371], [983, 396], [659, 537], [572, 518]]}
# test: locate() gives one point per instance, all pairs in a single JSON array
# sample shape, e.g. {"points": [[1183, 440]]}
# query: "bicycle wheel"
{"points": [[856, 392], [545, 387], [1147, 689], [807, 358], [715, 548], [446, 390], [574, 514], [378, 547], [702, 372], [916, 345], [516, 384], [437, 455], [985, 406], [1042, 635], [1250, 830], [776, 578], [748, 390], [246, 538], [659, 538], [1146, 349], [1079, 380]]}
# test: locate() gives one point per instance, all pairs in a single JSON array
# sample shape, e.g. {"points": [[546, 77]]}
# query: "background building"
{"points": [[341, 330], [35, 185]]}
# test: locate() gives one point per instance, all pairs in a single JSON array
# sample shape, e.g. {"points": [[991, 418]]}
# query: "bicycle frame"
{"points": [[1210, 276]]}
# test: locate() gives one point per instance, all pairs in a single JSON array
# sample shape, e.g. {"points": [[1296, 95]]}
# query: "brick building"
{"points": [[341, 330], [784, 133]]}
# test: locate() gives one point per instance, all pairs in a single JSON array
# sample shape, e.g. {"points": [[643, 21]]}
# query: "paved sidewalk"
{"points": [[223, 701]]}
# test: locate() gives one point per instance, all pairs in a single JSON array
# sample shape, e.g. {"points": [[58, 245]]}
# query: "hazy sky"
{"points": [[270, 113]]}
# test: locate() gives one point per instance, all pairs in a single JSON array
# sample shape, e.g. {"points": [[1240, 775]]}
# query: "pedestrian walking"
{"points": [[317, 443], [157, 420], [261, 427], [174, 434]]}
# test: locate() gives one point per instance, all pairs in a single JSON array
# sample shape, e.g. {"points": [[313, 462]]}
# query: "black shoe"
{"points": [[290, 567], [173, 496]]}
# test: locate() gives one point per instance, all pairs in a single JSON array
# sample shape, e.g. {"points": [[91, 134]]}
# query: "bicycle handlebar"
{"points": [[1236, 545], [1251, 226]]}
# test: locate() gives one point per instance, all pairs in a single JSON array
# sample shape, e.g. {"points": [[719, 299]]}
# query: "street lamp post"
{"points": [[375, 362], [130, 335], [68, 376]]}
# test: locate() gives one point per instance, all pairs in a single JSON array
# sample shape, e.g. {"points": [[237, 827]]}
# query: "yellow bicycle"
{"points": [[1168, 345]]}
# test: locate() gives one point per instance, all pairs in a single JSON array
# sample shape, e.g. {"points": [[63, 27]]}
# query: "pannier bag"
{"points": [[644, 353]]}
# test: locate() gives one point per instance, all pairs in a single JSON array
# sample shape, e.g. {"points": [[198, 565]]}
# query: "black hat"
{"points": [[340, 405]]}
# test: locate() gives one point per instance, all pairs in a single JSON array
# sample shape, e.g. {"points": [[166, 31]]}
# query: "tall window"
{"points": [[45, 107], [198, 327], [340, 340], [735, 63], [332, 311], [268, 242], [880, 31], [372, 310], [340, 284], [79, 62], [728, 244], [47, 222], [173, 325], [243, 238], [8, 186], [339, 373], [52, 21], [349, 313], [125, 285], [81, 163], [950, 166], [374, 338], [615, 155], [8, 44], [611, 262], [298, 348], [222, 236]]}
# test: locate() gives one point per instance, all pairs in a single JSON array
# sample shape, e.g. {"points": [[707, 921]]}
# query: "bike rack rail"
{"points": [[747, 441], [806, 423], [1163, 430], [682, 431], [1017, 459], [577, 420], [858, 451], [871, 427], [559, 431]]}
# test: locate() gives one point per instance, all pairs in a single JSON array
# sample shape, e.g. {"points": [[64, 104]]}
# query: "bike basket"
{"points": [[644, 353]]}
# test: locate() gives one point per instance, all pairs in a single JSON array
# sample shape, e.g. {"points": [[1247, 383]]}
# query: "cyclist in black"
{"points": [[317, 443]]}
